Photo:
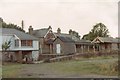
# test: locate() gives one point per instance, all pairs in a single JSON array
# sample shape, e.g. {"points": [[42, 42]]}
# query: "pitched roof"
{"points": [[20, 34], [73, 37], [63, 35], [82, 41], [65, 39], [106, 39], [40, 32]]}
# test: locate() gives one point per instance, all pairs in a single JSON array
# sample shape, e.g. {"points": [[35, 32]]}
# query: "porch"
{"points": [[17, 56]]}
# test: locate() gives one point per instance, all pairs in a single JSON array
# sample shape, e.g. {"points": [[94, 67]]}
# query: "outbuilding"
{"points": [[64, 45]]}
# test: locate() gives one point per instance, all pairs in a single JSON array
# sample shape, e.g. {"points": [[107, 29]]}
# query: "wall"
{"points": [[35, 55], [34, 47], [0, 42], [69, 48], [83, 48], [66, 48], [58, 41], [44, 48], [110, 46], [114, 46], [13, 48]]}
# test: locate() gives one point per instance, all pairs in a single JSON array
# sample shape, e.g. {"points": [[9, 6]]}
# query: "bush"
{"points": [[109, 69], [47, 60], [88, 55]]}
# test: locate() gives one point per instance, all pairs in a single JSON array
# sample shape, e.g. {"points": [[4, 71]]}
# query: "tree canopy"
{"points": [[74, 33], [98, 30], [10, 25]]}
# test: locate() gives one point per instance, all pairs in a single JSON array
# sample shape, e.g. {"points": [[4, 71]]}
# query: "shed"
{"points": [[63, 45]]}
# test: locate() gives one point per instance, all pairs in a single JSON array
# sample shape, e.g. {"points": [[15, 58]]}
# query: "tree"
{"points": [[98, 30], [10, 25], [74, 33], [6, 45]]}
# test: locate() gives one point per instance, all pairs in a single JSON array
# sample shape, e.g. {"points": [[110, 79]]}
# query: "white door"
{"points": [[58, 48]]}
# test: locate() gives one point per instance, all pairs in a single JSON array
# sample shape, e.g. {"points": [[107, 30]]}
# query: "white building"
{"points": [[22, 45]]}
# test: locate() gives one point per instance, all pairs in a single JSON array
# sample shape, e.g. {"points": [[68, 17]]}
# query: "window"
{"points": [[16, 43], [23, 42], [29, 43], [26, 42]]}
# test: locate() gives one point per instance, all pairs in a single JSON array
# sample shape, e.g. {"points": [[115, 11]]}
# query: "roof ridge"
{"points": [[40, 29], [18, 33]]}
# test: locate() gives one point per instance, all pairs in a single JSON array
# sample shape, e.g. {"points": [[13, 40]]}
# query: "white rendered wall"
{"points": [[35, 55]]}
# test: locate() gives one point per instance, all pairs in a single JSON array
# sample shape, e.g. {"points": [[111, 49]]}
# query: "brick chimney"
{"points": [[30, 29], [58, 31], [50, 28], [70, 32]]}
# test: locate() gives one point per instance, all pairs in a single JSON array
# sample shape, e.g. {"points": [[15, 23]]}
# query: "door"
{"points": [[58, 48]]}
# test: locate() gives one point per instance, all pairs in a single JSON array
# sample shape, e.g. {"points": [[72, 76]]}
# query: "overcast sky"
{"points": [[79, 15]]}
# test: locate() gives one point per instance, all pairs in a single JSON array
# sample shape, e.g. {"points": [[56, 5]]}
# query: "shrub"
{"points": [[109, 69], [47, 60], [88, 55]]}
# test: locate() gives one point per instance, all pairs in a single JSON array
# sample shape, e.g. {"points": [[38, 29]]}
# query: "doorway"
{"points": [[58, 48]]}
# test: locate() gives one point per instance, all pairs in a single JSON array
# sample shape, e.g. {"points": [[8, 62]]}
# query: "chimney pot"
{"points": [[58, 30]]}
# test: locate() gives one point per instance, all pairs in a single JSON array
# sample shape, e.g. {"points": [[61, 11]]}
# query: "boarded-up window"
{"points": [[29, 43], [26, 42]]}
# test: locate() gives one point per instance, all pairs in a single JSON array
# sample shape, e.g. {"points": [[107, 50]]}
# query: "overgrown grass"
{"points": [[75, 67], [11, 70], [105, 65], [85, 68], [109, 69]]}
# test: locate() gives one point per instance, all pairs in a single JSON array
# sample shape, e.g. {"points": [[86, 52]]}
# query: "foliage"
{"points": [[74, 33], [97, 67], [98, 30], [47, 60], [6, 45], [109, 69], [113, 53], [11, 25]]}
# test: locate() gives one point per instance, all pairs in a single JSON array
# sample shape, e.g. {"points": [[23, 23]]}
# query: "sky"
{"points": [[78, 15]]}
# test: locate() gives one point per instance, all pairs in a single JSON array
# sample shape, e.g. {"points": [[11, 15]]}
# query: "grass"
{"points": [[75, 67], [82, 66], [11, 70]]}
